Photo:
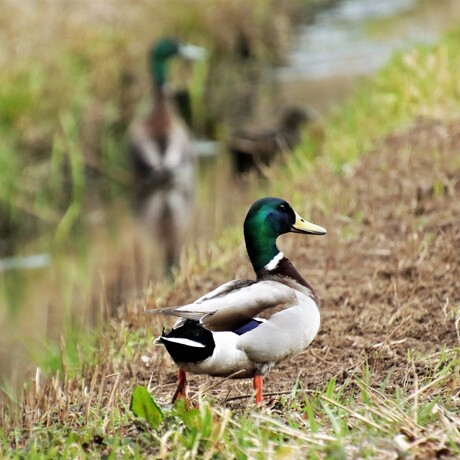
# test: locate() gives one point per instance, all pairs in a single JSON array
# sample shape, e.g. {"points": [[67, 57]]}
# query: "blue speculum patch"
{"points": [[249, 326]]}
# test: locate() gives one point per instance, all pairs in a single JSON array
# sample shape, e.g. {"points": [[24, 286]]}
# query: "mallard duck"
{"points": [[244, 327], [160, 143], [163, 158], [256, 150]]}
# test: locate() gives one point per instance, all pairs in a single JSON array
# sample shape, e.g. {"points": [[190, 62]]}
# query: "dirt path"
{"points": [[388, 272]]}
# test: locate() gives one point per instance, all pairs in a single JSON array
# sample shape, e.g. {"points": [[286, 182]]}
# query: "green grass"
{"points": [[359, 418], [418, 83]]}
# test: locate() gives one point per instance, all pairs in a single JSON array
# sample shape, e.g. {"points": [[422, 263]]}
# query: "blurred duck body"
{"points": [[163, 158], [257, 150]]}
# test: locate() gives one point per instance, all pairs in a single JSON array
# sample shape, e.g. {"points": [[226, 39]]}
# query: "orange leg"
{"points": [[181, 390], [258, 389]]}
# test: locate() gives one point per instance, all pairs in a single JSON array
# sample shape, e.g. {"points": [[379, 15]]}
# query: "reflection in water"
{"points": [[165, 210], [25, 262], [163, 160]]}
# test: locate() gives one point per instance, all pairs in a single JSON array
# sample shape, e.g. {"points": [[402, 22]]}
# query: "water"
{"points": [[354, 39], [337, 43], [343, 45]]}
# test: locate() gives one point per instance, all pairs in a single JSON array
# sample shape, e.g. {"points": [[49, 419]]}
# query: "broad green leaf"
{"points": [[144, 406]]}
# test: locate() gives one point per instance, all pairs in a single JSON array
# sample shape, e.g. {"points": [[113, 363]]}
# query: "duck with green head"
{"points": [[244, 327], [160, 143], [162, 154]]}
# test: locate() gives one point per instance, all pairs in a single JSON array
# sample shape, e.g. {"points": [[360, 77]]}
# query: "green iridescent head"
{"points": [[165, 49], [267, 219]]}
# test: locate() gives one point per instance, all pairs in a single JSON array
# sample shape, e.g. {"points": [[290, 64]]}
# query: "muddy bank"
{"points": [[387, 272]]}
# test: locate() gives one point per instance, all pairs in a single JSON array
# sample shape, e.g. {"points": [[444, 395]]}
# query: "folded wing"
{"points": [[233, 304]]}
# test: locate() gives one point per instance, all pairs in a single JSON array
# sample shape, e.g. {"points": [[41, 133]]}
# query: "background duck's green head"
{"points": [[165, 49], [267, 219]]}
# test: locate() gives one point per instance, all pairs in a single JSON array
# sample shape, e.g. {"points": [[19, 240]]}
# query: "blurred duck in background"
{"points": [[257, 150], [163, 158]]}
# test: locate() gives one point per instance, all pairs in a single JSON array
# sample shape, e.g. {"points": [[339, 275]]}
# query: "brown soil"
{"points": [[387, 272]]}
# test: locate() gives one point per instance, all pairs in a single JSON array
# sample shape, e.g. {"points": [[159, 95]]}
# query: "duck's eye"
{"points": [[282, 207]]}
